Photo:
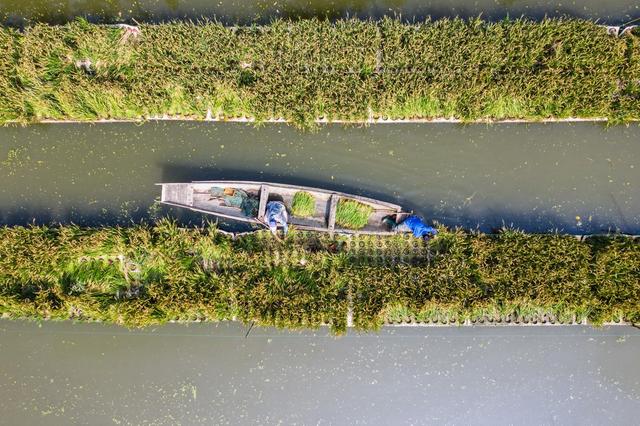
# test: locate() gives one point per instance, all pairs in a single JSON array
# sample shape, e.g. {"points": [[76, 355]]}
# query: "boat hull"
{"points": [[204, 197]]}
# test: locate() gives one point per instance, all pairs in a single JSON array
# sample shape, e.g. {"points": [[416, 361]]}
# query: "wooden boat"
{"points": [[204, 197]]}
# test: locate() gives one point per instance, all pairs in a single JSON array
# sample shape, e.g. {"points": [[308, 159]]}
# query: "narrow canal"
{"points": [[577, 178], [20, 12], [64, 373]]}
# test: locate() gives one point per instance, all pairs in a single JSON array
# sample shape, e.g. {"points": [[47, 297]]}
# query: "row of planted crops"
{"points": [[315, 69], [151, 274]]}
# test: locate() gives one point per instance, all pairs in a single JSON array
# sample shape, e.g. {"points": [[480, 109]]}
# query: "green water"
{"points": [[578, 178], [19, 12], [202, 374]]}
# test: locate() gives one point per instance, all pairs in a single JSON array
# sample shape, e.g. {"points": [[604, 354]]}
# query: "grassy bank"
{"points": [[147, 275], [310, 69]]}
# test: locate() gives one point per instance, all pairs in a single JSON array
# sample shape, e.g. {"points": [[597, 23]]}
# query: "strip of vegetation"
{"points": [[148, 275], [311, 69]]}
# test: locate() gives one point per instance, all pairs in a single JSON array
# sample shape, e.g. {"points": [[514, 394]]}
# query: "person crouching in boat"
{"points": [[413, 224], [276, 215]]}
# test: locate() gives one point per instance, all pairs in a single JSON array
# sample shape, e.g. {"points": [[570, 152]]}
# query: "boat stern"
{"points": [[177, 194]]}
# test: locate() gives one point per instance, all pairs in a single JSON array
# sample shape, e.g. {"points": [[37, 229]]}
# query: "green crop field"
{"points": [[146, 275], [307, 70]]}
